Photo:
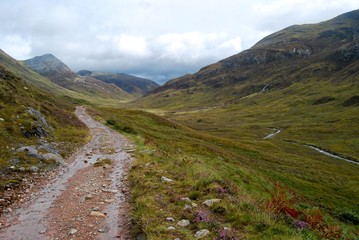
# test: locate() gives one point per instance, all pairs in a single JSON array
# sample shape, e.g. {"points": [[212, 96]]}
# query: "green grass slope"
{"points": [[269, 189]]}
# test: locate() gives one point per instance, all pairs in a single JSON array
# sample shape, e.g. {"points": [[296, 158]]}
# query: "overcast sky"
{"points": [[157, 39]]}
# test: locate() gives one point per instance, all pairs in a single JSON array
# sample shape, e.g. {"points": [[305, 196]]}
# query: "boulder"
{"points": [[31, 152]]}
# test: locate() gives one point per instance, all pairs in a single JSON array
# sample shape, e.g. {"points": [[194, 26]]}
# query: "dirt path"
{"points": [[83, 201]]}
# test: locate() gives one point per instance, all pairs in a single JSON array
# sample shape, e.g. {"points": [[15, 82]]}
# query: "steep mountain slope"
{"points": [[49, 66], [133, 85], [328, 51]]}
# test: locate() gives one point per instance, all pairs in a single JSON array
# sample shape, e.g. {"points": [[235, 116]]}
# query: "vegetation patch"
{"points": [[260, 197], [102, 162]]}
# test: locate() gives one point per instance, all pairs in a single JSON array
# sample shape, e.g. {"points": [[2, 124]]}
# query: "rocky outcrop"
{"points": [[33, 151], [39, 128], [265, 56]]}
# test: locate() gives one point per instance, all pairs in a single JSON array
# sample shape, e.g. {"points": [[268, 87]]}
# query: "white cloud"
{"points": [[15, 45], [190, 47], [132, 45]]}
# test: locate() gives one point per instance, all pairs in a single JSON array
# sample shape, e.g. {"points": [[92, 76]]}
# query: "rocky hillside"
{"points": [[52, 68], [327, 51], [37, 130], [131, 84]]}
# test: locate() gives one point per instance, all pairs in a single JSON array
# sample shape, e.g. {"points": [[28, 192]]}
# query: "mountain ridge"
{"points": [[59, 73], [327, 50], [131, 84]]}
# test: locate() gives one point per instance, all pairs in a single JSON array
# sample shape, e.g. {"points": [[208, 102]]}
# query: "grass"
{"points": [[16, 96], [244, 172]]}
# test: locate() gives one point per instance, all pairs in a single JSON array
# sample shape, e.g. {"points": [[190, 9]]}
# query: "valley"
{"points": [[260, 145]]}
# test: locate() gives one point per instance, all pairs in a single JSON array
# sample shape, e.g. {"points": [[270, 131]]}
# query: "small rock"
{"points": [[43, 231], [1, 119], [201, 233], [101, 230], [96, 209], [210, 202], [194, 205], [88, 196], [97, 214], [164, 179], [186, 199], [177, 239], [110, 190], [170, 219], [109, 200], [73, 231], [22, 169], [34, 169], [187, 207], [171, 228], [183, 223], [12, 167]]}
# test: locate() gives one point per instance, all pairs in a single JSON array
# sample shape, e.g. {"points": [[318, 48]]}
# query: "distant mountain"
{"points": [[49, 66], [131, 84], [327, 51]]}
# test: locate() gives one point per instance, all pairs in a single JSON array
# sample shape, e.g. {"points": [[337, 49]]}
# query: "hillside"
{"points": [[52, 68], [37, 130], [133, 85], [326, 51]]}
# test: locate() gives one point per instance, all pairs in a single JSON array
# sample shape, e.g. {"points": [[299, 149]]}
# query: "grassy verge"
{"points": [[276, 194]]}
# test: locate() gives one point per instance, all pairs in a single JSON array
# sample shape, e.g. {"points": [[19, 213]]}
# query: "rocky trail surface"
{"points": [[82, 201]]}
